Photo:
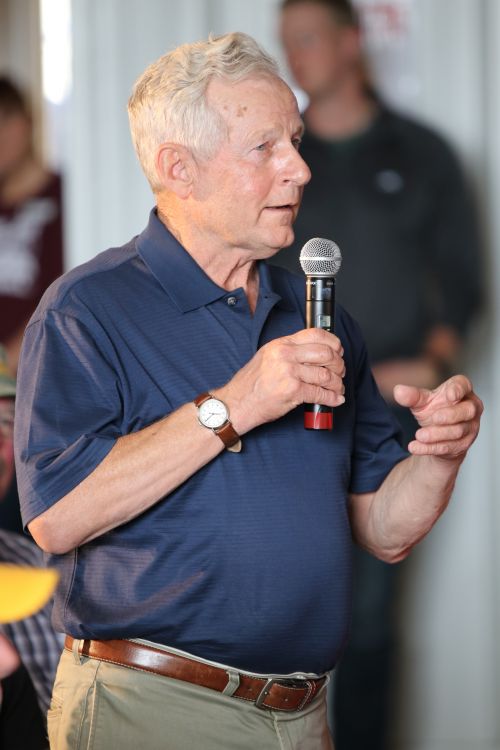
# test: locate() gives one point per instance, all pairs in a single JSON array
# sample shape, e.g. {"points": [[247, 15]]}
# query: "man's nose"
{"points": [[298, 171]]}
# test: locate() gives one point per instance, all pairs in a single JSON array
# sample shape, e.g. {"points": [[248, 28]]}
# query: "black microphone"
{"points": [[320, 260]]}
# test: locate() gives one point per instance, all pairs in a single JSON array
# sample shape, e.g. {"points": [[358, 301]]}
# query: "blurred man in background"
{"points": [[31, 243], [392, 194]]}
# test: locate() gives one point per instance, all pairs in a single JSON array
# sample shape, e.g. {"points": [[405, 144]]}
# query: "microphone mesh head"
{"points": [[320, 257]]}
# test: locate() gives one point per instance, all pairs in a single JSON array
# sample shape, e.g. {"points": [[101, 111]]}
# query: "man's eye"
{"points": [[262, 146], [296, 143]]}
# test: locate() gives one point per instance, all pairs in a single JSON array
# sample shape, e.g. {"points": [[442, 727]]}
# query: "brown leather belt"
{"points": [[273, 693]]}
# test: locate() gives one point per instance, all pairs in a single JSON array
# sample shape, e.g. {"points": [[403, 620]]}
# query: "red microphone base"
{"points": [[318, 420]]}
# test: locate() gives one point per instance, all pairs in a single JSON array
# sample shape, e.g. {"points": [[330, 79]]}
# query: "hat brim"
{"points": [[23, 591]]}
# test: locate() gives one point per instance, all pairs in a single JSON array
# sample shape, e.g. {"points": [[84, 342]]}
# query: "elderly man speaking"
{"points": [[201, 534]]}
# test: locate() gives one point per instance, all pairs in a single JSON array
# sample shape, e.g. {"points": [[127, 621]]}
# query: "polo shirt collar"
{"points": [[178, 273], [183, 279], [274, 285]]}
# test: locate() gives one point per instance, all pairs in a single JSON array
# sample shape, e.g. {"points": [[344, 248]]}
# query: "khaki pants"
{"points": [[101, 706]]}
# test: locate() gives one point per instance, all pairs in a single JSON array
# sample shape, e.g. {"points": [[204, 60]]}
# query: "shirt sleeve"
{"points": [[68, 410], [377, 434]]}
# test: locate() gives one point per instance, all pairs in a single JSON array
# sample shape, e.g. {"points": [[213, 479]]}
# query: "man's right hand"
{"points": [[307, 367]]}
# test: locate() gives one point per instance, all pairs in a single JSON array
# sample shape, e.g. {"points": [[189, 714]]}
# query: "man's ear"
{"points": [[176, 169]]}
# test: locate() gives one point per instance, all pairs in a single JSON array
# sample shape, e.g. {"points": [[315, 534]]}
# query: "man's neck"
{"points": [[340, 115], [227, 267]]}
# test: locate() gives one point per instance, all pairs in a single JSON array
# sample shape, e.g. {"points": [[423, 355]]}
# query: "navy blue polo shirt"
{"points": [[246, 563]]}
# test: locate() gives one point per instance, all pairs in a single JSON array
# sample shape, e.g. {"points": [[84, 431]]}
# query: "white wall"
{"points": [[20, 51], [19, 41], [449, 689]]}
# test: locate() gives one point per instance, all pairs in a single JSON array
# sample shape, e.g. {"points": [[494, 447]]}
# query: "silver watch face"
{"points": [[212, 413]]}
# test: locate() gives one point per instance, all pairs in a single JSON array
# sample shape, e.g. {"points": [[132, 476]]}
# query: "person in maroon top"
{"points": [[31, 239]]}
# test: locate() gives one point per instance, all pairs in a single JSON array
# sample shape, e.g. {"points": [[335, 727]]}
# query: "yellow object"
{"points": [[24, 590]]}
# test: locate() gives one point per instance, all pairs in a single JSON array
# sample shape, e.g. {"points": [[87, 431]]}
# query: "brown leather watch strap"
{"points": [[229, 437], [225, 432], [199, 400]]}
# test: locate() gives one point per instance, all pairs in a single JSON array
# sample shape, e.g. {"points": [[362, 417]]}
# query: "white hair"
{"points": [[168, 101]]}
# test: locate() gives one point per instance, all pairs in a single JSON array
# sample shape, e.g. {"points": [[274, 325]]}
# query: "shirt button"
{"points": [[231, 301]]}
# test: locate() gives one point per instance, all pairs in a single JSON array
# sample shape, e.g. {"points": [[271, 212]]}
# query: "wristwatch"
{"points": [[214, 414]]}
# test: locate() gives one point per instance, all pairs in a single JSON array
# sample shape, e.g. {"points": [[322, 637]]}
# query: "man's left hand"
{"points": [[448, 416]]}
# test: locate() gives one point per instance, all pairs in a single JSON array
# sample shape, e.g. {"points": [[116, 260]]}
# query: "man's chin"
{"points": [[283, 239], [270, 243]]}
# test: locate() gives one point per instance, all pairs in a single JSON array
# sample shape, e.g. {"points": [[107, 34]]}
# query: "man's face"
{"points": [[247, 196], [6, 444], [320, 52]]}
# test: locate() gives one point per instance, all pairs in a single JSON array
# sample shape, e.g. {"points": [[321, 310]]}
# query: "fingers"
{"points": [[450, 392], [450, 431], [464, 411], [448, 417], [307, 367], [326, 377], [320, 367], [315, 375], [410, 396], [315, 359], [457, 388], [448, 434], [315, 336], [443, 449], [322, 385], [314, 346]]}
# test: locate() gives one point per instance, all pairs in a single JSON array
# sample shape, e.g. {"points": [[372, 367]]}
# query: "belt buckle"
{"points": [[305, 684], [259, 701]]}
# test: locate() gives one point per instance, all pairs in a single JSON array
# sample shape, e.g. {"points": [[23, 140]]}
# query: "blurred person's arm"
{"points": [[439, 357], [453, 259]]}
